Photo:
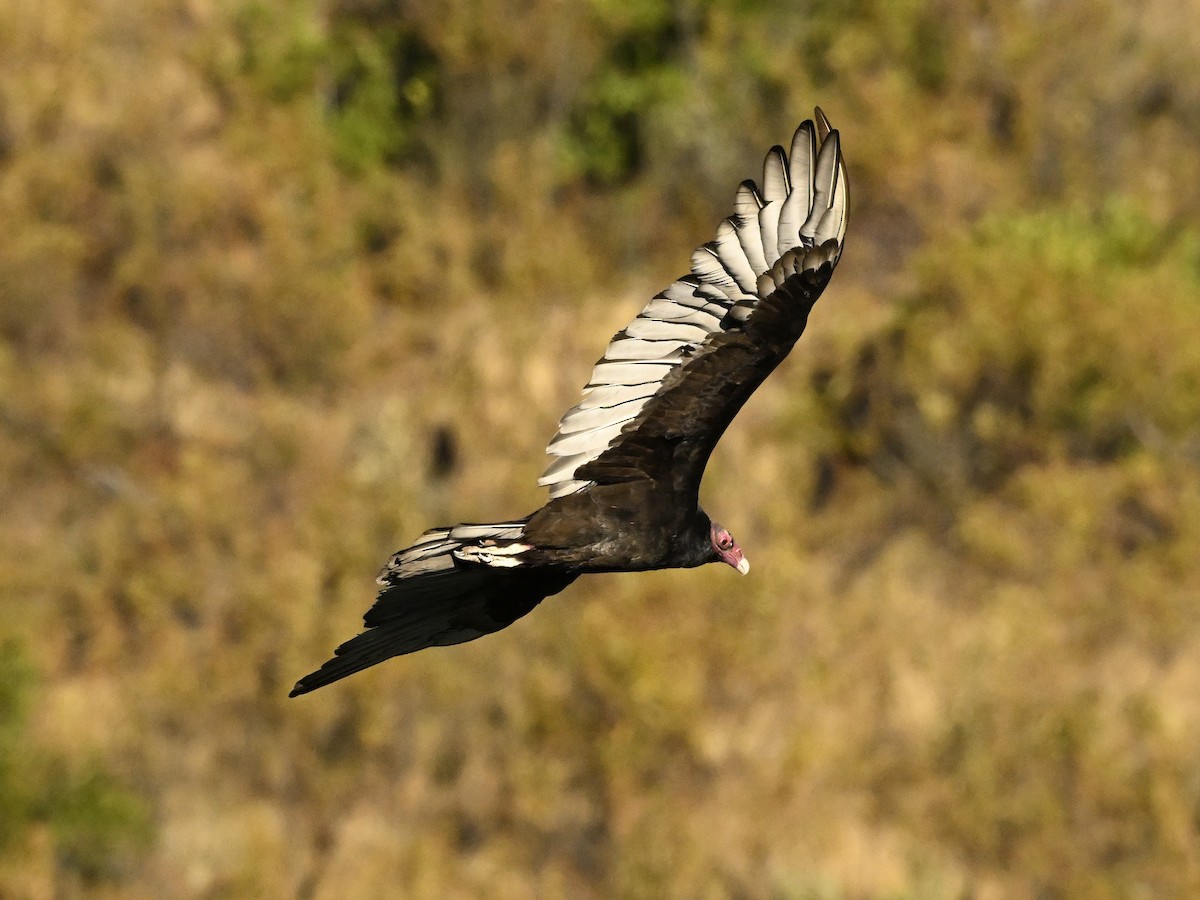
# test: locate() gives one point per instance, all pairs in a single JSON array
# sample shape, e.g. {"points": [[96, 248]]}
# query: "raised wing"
{"points": [[673, 379]]}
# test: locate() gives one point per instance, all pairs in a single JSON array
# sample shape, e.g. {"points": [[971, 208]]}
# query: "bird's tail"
{"points": [[451, 586]]}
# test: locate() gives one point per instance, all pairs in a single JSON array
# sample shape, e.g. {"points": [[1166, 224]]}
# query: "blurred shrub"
{"points": [[99, 827], [1033, 336], [916, 38], [384, 83], [641, 71], [366, 70], [15, 802]]}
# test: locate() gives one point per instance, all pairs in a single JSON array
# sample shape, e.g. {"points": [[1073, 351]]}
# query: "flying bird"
{"points": [[627, 460]]}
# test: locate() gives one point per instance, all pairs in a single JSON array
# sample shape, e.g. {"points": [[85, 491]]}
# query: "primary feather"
{"points": [[802, 206]]}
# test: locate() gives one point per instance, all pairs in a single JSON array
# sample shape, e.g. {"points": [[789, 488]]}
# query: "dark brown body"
{"points": [[644, 512]]}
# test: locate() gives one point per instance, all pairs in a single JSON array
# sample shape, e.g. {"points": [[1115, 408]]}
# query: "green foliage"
{"points": [[280, 47], [367, 74], [384, 84], [1032, 337], [15, 802], [642, 69], [863, 36], [100, 827]]}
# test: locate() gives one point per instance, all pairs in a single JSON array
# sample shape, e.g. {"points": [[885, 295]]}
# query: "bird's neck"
{"points": [[694, 543]]}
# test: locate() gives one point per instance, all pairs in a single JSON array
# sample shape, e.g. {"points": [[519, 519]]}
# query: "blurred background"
{"points": [[282, 284]]}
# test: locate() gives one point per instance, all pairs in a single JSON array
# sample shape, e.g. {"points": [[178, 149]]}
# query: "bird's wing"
{"points": [[674, 378], [454, 585]]}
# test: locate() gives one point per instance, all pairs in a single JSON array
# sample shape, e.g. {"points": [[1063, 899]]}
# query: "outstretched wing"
{"points": [[453, 585], [671, 382]]}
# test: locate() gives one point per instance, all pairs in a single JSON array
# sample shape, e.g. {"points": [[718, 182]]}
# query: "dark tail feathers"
{"points": [[437, 593]]}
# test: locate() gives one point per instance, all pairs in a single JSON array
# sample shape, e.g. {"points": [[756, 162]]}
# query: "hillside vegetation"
{"points": [[282, 284]]}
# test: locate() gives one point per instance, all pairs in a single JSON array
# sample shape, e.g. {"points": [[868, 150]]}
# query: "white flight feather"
{"points": [[802, 205]]}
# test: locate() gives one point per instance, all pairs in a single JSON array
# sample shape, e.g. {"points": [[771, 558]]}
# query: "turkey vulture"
{"points": [[627, 460]]}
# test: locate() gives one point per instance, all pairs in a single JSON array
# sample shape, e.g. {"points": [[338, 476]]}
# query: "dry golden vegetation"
{"points": [[283, 283]]}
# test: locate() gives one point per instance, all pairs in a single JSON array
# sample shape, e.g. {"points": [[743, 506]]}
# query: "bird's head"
{"points": [[726, 549]]}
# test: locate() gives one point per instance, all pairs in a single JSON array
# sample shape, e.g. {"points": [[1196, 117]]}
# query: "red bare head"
{"points": [[727, 550]]}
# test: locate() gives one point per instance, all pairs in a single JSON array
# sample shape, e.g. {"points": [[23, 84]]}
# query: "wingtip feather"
{"points": [[823, 126]]}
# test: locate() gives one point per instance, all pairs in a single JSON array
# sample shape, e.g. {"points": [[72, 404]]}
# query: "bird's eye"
{"points": [[725, 542]]}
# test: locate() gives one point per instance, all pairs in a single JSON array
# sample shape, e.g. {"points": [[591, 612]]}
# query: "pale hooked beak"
{"points": [[743, 565]]}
